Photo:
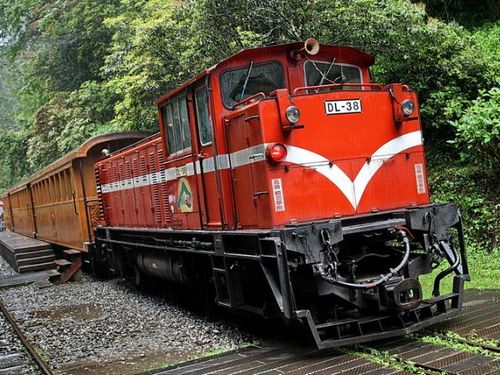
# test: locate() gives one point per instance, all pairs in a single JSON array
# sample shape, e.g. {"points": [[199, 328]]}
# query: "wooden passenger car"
{"points": [[59, 204], [18, 210]]}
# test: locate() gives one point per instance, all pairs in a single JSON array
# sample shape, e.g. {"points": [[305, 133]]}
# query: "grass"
{"points": [[453, 341], [214, 353], [225, 350], [484, 270], [473, 338], [383, 358]]}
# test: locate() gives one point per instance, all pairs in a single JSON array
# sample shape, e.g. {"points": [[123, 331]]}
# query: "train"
{"points": [[59, 204], [285, 183]]}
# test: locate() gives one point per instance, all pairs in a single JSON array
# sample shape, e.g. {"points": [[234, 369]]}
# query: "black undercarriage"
{"points": [[347, 280]]}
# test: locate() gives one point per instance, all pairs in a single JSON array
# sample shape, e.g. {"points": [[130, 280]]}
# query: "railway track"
{"points": [[435, 358], [466, 345], [23, 359], [404, 356], [462, 346]]}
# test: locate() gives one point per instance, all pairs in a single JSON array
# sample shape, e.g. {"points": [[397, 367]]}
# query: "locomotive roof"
{"points": [[348, 53]]}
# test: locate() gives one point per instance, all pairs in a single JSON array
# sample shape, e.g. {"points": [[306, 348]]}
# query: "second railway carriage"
{"points": [[286, 183], [59, 204]]}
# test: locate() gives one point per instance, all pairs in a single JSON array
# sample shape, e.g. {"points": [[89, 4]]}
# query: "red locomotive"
{"points": [[288, 184]]}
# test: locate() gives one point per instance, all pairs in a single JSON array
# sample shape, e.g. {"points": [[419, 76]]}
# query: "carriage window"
{"points": [[325, 73], [169, 125], [175, 117], [238, 84], [186, 135], [204, 123], [177, 126]]}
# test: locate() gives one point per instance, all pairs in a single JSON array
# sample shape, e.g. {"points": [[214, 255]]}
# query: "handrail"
{"points": [[371, 85], [73, 195], [249, 99]]}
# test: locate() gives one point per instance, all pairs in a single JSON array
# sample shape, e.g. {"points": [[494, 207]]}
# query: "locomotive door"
{"points": [[250, 188], [208, 166]]}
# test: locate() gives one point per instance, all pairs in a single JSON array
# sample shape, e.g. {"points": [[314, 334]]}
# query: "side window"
{"points": [[177, 126], [169, 124], [175, 118], [204, 122], [186, 135]]}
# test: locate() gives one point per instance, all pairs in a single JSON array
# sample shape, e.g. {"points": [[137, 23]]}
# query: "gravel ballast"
{"points": [[112, 327], [5, 268], [14, 358]]}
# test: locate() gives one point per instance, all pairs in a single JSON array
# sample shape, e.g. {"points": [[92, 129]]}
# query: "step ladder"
{"points": [[26, 254], [68, 267], [227, 283]]}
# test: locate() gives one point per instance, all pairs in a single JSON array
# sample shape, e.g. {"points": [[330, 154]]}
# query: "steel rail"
{"points": [[40, 362], [428, 370], [489, 348]]}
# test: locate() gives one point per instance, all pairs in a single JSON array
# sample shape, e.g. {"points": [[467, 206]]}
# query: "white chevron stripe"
{"points": [[353, 191], [322, 165], [379, 157]]}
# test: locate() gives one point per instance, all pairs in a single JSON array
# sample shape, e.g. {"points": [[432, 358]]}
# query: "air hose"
{"points": [[382, 278]]}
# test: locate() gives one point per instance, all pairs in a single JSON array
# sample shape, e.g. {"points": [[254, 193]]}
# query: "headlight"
{"points": [[292, 114], [407, 107]]}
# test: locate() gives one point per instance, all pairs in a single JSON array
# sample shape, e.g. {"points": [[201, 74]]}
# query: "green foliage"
{"points": [[384, 358], [8, 104], [475, 193], [478, 132], [16, 19], [143, 62], [455, 342], [484, 269], [67, 120], [488, 36], [87, 113], [12, 167], [64, 42], [466, 12]]}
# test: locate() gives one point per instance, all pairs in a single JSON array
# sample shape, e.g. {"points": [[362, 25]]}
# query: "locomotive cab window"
{"points": [[175, 118], [203, 116], [240, 83], [326, 73]]}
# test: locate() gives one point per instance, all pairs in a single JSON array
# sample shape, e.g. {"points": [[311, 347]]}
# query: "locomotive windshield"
{"points": [[238, 84], [325, 73]]}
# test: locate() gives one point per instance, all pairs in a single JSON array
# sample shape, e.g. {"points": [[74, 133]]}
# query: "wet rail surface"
{"points": [[441, 359], [480, 319], [284, 360], [480, 316], [24, 361]]}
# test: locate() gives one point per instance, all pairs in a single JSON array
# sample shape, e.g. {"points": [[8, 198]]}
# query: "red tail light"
{"points": [[276, 152]]}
